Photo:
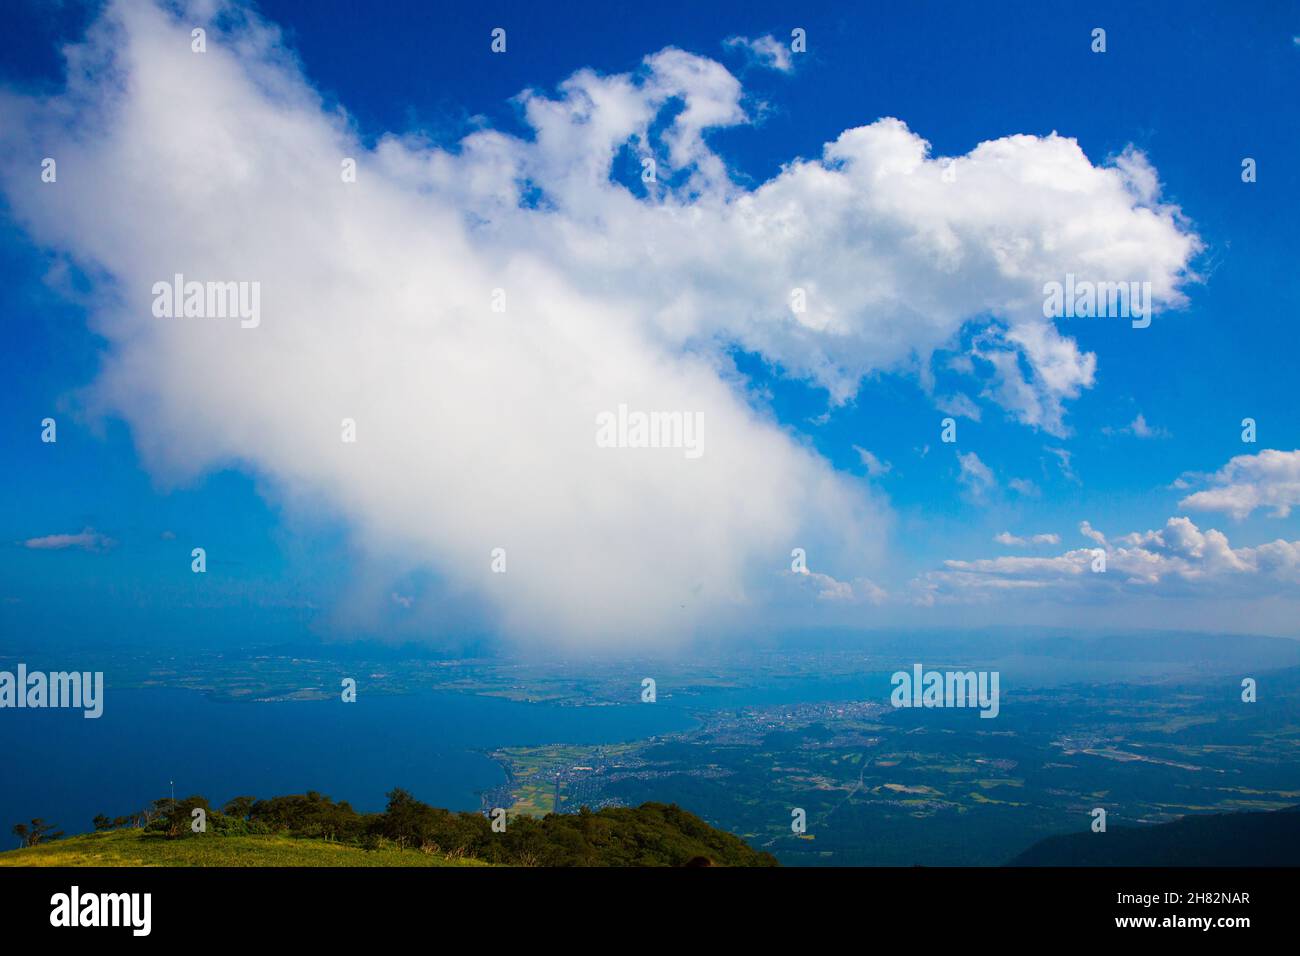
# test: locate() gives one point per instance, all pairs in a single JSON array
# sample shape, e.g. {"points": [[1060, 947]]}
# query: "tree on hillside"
{"points": [[39, 832], [239, 807]]}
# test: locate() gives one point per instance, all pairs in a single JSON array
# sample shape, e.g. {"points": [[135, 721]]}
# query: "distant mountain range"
{"points": [[1213, 839]]}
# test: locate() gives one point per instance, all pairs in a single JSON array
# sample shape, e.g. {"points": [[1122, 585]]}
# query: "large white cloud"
{"points": [[476, 428], [1270, 479]]}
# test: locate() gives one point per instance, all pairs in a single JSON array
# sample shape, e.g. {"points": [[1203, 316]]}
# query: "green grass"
{"points": [[135, 848]]}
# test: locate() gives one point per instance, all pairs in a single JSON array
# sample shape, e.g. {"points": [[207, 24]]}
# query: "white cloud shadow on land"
{"points": [[475, 429]]}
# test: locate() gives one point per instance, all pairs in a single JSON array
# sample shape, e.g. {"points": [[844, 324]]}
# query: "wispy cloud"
{"points": [[1011, 540], [1024, 487], [875, 467], [1064, 461], [975, 476], [765, 51], [1138, 428], [87, 540], [958, 405]]}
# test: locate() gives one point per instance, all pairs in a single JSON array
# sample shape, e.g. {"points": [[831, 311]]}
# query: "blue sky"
{"points": [[1194, 88]]}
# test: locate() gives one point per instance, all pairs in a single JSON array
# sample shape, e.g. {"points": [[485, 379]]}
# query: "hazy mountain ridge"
{"points": [[1213, 839]]}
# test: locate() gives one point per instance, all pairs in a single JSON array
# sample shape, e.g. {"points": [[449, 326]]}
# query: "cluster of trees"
{"points": [[654, 834], [35, 833]]}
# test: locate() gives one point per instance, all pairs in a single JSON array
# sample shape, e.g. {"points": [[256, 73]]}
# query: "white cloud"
{"points": [[958, 405], [1088, 531], [1138, 428], [1011, 540], [875, 467], [975, 476], [828, 588], [1064, 457], [1024, 487], [1270, 479], [87, 540], [1178, 559], [475, 429], [765, 51], [893, 260]]}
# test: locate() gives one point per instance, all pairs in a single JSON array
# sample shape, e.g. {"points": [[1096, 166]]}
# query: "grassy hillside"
{"points": [[138, 848], [312, 830]]}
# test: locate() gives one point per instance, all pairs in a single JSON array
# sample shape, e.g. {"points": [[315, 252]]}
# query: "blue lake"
{"points": [[65, 768], [59, 766]]}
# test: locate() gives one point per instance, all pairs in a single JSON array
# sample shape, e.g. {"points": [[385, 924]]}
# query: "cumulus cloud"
{"points": [[87, 540], [828, 588], [1270, 479], [1179, 558], [475, 427], [892, 260]]}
